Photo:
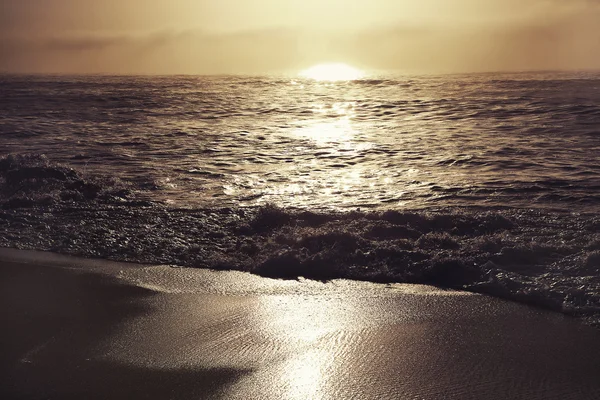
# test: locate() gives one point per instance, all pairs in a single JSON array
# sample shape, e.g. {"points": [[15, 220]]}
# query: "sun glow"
{"points": [[332, 72]]}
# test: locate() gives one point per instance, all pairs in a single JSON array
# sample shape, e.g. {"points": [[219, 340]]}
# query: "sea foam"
{"points": [[546, 258]]}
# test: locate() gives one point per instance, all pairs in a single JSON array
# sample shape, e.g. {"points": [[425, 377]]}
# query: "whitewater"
{"points": [[488, 183]]}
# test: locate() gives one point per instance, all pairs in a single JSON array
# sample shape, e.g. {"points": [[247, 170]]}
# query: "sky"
{"points": [[271, 36]]}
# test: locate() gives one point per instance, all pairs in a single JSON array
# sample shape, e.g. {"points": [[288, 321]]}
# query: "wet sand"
{"points": [[76, 328]]}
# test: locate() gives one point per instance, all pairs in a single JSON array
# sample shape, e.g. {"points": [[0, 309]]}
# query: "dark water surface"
{"points": [[486, 182], [486, 140]]}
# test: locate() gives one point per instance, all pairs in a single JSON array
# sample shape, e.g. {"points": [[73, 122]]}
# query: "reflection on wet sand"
{"points": [[206, 334]]}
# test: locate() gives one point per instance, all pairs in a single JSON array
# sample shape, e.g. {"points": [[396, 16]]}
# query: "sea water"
{"points": [[489, 183]]}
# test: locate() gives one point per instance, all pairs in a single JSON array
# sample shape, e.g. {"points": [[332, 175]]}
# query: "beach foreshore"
{"points": [[75, 328]]}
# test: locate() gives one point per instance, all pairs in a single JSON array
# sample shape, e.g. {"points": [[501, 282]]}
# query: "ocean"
{"points": [[488, 183]]}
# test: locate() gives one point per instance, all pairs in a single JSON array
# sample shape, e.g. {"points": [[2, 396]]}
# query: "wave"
{"points": [[31, 180], [542, 257]]}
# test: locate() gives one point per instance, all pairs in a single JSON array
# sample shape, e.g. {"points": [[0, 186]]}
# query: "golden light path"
{"points": [[332, 72]]}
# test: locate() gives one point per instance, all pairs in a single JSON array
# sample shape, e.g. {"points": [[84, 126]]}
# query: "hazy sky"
{"points": [[256, 36]]}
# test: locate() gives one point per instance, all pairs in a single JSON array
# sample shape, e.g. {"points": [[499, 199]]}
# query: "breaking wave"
{"points": [[541, 257]]}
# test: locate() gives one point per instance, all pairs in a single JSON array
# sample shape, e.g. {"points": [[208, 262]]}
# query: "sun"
{"points": [[332, 72]]}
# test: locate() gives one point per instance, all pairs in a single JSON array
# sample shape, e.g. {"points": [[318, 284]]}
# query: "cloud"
{"points": [[161, 52], [545, 34], [566, 40]]}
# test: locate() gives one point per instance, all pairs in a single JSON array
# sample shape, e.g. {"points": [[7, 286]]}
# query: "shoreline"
{"points": [[518, 255], [97, 329]]}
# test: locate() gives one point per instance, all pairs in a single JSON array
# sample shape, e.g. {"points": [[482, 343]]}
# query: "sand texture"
{"points": [[76, 329]]}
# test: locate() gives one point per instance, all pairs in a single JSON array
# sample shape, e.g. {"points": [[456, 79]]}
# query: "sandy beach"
{"points": [[76, 328]]}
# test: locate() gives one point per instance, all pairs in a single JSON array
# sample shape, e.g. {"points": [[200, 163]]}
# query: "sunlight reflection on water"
{"points": [[326, 132], [376, 142]]}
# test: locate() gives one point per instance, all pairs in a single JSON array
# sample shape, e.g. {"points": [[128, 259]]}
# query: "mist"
{"points": [[206, 37]]}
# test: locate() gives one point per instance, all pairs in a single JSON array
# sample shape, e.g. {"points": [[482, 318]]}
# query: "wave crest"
{"points": [[31, 180], [548, 258]]}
